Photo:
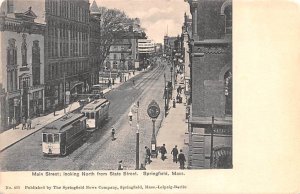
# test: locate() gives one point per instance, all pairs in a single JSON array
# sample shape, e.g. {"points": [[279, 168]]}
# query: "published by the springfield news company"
{"points": [[85, 186]]}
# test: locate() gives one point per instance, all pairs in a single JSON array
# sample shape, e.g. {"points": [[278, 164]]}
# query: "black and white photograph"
{"points": [[144, 89], [87, 85]]}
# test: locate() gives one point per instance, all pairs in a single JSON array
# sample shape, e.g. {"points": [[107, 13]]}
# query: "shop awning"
{"points": [[74, 84]]}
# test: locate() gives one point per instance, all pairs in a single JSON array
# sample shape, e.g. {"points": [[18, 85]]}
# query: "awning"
{"points": [[74, 84]]}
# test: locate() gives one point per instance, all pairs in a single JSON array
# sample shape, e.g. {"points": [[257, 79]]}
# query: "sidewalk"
{"points": [[12, 136], [171, 133]]}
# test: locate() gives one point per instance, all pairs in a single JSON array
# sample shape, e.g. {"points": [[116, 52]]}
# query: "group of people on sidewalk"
{"points": [[177, 157], [26, 123]]}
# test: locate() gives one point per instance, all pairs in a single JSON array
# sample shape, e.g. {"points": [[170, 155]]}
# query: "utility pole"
{"points": [[212, 141], [64, 92]]}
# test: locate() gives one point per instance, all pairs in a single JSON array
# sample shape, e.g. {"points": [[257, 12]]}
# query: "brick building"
{"points": [[94, 42], [22, 63], [211, 84], [66, 50]]}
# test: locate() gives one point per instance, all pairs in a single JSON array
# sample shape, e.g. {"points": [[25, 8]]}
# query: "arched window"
{"points": [[11, 65], [226, 10], [36, 63], [228, 92], [222, 157], [24, 51], [228, 19]]}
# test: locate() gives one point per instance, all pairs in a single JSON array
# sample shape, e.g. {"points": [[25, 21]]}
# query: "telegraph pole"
{"points": [[212, 141], [64, 92]]}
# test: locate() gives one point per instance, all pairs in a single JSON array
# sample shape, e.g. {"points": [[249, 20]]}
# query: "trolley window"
{"points": [[44, 137], [87, 115], [92, 115], [56, 137], [50, 138]]}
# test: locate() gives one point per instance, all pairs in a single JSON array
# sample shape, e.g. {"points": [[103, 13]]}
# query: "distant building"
{"points": [[186, 37], [146, 46], [123, 54], [22, 63], [211, 84], [169, 45]]}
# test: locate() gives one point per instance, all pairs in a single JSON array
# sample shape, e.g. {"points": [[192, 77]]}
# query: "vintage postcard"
{"points": [[160, 96]]}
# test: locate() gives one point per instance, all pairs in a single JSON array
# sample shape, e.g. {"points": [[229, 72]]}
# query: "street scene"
{"points": [[114, 85]]}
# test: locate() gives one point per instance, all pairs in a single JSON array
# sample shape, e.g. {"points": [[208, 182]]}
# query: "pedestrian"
{"points": [[174, 152], [109, 83], [14, 122], [120, 166], [148, 155], [28, 123], [174, 103], [142, 167], [181, 159], [23, 123], [113, 131], [163, 151], [113, 81], [133, 81]]}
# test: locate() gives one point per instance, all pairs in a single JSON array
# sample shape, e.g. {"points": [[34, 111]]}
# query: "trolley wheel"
{"points": [[65, 151]]}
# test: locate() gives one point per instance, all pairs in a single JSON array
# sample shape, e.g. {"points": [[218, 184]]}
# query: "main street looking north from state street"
{"points": [[99, 152]]}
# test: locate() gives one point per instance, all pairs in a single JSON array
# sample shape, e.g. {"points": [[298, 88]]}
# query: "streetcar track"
{"points": [[104, 133]]}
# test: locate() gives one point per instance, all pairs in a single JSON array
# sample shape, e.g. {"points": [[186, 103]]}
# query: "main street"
{"points": [[99, 152]]}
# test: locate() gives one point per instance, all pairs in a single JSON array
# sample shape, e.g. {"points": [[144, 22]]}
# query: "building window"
{"points": [[24, 50], [228, 92], [228, 19], [10, 6], [11, 65], [24, 82], [36, 63]]}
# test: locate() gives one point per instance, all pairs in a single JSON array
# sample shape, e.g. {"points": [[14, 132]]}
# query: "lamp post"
{"points": [[135, 108], [171, 70], [64, 92], [212, 141], [153, 138], [153, 112], [165, 95]]}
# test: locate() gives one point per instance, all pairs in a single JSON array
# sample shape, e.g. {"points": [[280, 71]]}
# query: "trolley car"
{"points": [[60, 135], [96, 113]]}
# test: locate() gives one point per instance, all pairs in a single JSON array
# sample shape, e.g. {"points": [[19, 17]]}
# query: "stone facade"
{"points": [[22, 66]]}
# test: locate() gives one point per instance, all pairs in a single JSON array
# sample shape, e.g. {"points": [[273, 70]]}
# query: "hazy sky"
{"points": [[155, 15]]}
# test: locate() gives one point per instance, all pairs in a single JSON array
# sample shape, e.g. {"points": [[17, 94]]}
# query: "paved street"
{"points": [[99, 152]]}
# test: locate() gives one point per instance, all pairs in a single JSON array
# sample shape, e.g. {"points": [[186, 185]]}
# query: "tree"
{"points": [[114, 23]]}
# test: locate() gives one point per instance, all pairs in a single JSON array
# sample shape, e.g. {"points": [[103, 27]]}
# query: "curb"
{"points": [[8, 146]]}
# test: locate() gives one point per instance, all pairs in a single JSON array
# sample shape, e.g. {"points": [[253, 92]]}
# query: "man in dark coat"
{"points": [[163, 151], [181, 159], [148, 155], [120, 166], [174, 152], [23, 123], [113, 134]]}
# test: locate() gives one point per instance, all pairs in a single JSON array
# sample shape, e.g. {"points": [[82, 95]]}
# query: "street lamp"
{"points": [[135, 108], [212, 141]]}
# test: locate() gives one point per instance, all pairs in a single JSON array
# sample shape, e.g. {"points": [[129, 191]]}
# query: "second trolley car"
{"points": [[64, 133], [96, 113]]}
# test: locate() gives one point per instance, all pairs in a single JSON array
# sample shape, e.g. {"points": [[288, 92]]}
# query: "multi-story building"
{"points": [[146, 46], [22, 63], [67, 65], [186, 36], [210, 122], [123, 54], [95, 42]]}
